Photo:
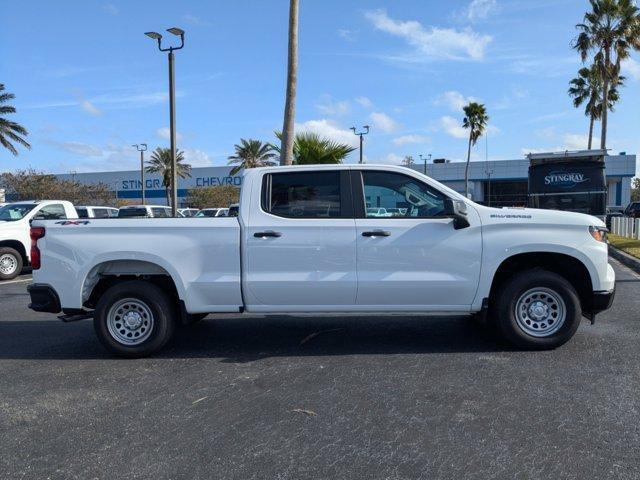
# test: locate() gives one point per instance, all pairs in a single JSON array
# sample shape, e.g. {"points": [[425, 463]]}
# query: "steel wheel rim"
{"points": [[130, 321], [540, 312], [8, 264]]}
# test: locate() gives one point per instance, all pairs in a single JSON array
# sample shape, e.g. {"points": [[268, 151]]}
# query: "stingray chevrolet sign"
{"points": [[565, 179]]}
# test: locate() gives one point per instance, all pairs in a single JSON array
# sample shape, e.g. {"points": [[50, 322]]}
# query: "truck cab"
{"points": [[15, 221]]}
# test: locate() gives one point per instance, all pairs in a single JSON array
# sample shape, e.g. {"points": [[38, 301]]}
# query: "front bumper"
{"points": [[602, 301], [43, 298]]}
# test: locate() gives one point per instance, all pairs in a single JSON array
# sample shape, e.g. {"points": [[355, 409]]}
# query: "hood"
{"points": [[491, 215]]}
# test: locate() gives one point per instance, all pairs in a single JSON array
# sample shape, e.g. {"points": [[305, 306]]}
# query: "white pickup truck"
{"points": [[15, 219], [304, 242]]}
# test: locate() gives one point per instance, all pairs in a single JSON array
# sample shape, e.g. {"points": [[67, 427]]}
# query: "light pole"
{"points": [[172, 111], [425, 162], [360, 134], [141, 148]]}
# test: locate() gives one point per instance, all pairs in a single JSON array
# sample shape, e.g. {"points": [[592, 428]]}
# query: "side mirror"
{"points": [[457, 210]]}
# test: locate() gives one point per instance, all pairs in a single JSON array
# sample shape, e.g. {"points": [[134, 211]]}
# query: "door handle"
{"points": [[377, 233], [268, 233]]}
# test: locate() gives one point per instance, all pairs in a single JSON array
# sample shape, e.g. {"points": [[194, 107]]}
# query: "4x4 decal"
{"points": [[73, 222]]}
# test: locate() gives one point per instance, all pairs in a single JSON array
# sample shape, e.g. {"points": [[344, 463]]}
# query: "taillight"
{"points": [[35, 234]]}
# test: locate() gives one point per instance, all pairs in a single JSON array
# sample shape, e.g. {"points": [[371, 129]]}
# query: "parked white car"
{"points": [[304, 242], [213, 212], [188, 212], [96, 212], [144, 211], [15, 218]]}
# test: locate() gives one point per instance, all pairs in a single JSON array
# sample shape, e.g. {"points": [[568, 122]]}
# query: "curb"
{"points": [[630, 261]]}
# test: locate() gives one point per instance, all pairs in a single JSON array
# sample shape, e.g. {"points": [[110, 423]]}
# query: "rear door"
{"points": [[300, 243], [412, 258]]}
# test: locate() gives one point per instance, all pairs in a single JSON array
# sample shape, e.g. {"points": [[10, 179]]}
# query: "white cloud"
{"points": [[77, 148], [328, 106], [110, 8], [328, 129], [197, 158], [409, 139], [364, 101], [453, 127], [632, 68], [346, 34], [195, 20], [480, 9], [383, 121], [90, 108], [165, 133], [432, 42], [453, 100], [568, 141]]}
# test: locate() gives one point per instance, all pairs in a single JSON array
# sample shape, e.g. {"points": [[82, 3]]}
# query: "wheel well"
{"points": [[568, 267], [16, 245], [106, 275]]}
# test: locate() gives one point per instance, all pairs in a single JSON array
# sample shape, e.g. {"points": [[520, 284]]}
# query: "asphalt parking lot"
{"points": [[395, 397]]}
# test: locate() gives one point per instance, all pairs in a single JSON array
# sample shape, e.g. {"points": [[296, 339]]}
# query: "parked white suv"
{"points": [[304, 242], [15, 219]]}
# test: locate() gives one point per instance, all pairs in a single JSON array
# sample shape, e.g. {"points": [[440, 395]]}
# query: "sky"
{"points": [[89, 84]]}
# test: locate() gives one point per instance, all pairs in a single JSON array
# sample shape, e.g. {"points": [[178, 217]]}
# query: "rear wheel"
{"points": [[10, 263], [538, 309], [134, 319]]}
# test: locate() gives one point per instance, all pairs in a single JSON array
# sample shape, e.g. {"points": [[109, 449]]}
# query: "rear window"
{"points": [[132, 212], [303, 194]]}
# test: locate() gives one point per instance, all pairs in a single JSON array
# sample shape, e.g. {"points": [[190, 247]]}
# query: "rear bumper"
{"points": [[43, 298]]}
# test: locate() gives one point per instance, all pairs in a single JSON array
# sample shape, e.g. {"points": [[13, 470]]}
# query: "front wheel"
{"points": [[538, 309], [10, 263], [134, 319]]}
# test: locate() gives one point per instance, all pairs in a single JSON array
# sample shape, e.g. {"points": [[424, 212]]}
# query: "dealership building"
{"points": [[496, 182]]}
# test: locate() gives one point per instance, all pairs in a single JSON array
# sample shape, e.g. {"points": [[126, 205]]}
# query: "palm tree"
{"points": [[286, 145], [475, 119], [160, 162], [610, 30], [311, 149], [587, 87], [10, 130], [251, 154]]}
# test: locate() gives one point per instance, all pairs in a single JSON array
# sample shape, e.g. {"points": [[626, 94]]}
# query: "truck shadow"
{"points": [[251, 338]]}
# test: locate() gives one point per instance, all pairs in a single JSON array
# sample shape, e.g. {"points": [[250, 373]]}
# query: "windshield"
{"points": [[132, 212], [15, 211]]}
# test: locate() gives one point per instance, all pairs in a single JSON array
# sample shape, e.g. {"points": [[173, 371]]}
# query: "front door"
{"points": [[300, 246], [409, 256]]}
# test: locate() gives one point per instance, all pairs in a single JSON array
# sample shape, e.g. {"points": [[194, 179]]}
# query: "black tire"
{"points": [[525, 285], [14, 256], [145, 294]]}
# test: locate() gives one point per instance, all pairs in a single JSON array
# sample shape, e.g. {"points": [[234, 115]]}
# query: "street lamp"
{"points": [[360, 134], [425, 162], [141, 148], [172, 110]]}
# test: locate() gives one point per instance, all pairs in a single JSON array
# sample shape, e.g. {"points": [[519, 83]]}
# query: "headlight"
{"points": [[599, 233]]}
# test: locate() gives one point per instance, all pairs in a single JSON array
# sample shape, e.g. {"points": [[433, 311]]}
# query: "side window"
{"points": [[82, 212], [392, 195], [51, 212], [159, 212], [100, 213], [303, 194]]}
